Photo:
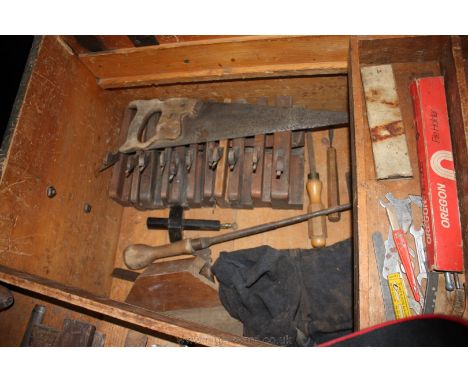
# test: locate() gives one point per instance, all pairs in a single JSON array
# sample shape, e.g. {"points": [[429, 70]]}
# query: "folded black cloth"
{"points": [[296, 297]]}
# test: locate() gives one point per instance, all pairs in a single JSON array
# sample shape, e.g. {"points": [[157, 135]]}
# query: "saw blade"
{"points": [[215, 121], [431, 292]]}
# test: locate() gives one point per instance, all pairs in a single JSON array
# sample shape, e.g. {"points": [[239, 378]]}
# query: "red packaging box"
{"points": [[438, 183]]}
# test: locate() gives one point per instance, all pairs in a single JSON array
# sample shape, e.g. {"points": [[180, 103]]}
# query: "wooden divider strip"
{"points": [[125, 312], [361, 239], [219, 60]]}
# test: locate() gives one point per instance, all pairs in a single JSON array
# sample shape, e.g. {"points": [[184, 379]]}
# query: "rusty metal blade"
{"points": [[215, 121]]}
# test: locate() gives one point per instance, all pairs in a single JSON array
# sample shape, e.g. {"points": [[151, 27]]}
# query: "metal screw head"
{"points": [[188, 160], [87, 208], [254, 160], [51, 191]]}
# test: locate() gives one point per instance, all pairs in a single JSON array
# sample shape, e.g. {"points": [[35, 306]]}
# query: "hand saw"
{"points": [[184, 121]]}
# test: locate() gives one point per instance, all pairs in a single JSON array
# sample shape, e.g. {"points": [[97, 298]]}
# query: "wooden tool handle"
{"points": [[332, 184], [317, 226], [138, 256]]}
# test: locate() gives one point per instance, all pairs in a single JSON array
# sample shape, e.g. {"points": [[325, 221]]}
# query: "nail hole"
{"points": [[51, 191], [87, 208]]}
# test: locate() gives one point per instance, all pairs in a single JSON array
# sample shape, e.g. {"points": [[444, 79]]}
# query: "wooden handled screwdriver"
{"points": [[317, 225], [333, 194]]}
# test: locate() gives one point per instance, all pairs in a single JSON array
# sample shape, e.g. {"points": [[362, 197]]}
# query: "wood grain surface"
{"points": [[65, 125], [240, 57], [122, 312]]}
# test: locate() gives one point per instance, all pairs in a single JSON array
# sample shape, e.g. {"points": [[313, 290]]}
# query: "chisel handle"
{"points": [[317, 226], [332, 184], [139, 256]]}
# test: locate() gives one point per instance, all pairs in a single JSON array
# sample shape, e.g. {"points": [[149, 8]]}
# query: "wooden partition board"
{"points": [[109, 311], [313, 92], [219, 59], [456, 66], [410, 58], [86, 44], [62, 126], [15, 320]]}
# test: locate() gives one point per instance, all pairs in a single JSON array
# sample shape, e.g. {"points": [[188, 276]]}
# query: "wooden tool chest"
{"points": [[61, 251]]}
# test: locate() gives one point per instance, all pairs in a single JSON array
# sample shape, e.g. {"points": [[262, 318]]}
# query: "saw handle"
{"points": [[139, 256], [405, 257], [317, 226]]}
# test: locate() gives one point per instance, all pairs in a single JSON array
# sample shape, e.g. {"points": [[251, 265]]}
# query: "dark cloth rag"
{"points": [[295, 297]]}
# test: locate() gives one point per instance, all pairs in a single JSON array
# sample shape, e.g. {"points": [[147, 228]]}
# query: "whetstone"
{"points": [[388, 137]]}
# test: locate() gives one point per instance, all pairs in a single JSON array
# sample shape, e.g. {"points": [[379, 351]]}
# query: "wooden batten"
{"points": [[378, 51], [358, 134], [170, 39], [80, 44], [453, 67], [223, 59], [87, 44], [124, 312]]}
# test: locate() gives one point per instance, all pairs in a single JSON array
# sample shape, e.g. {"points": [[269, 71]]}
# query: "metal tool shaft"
{"points": [[333, 189], [331, 133], [138, 256], [380, 252], [36, 318], [272, 226], [311, 156]]}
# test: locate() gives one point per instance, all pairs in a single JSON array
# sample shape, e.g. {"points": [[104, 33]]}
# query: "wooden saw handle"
{"points": [[138, 256]]}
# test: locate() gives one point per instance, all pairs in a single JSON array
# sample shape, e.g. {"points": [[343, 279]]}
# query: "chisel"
{"points": [[332, 179], [317, 226]]}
